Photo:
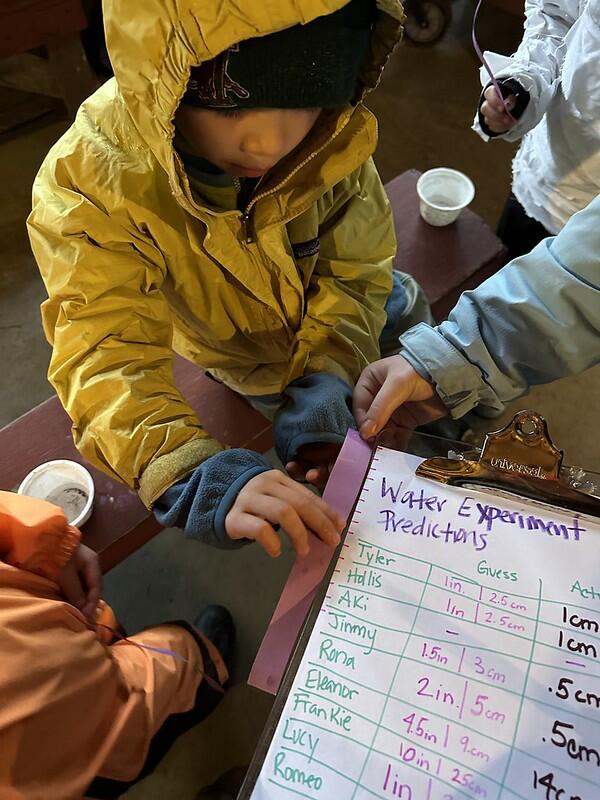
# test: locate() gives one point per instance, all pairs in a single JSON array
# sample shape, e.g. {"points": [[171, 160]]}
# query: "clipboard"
{"points": [[519, 460]]}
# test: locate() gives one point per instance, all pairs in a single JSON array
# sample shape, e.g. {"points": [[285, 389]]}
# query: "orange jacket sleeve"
{"points": [[35, 535]]}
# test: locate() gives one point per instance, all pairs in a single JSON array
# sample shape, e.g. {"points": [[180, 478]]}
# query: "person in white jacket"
{"points": [[552, 84]]}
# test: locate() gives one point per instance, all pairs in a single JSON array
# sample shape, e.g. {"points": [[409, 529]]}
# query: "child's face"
{"points": [[244, 143]]}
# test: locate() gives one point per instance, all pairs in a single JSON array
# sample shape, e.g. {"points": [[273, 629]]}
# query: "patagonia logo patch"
{"points": [[306, 249]]}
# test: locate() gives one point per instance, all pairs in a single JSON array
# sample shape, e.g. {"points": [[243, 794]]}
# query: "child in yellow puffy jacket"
{"points": [[79, 714], [218, 197]]}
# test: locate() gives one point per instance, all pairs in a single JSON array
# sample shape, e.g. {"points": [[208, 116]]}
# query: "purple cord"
{"points": [[485, 63], [165, 651]]}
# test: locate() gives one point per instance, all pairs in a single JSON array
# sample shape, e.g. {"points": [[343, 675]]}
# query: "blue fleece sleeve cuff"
{"points": [[316, 408], [199, 503]]}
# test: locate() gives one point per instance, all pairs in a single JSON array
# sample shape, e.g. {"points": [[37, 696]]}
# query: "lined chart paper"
{"points": [[456, 654]]}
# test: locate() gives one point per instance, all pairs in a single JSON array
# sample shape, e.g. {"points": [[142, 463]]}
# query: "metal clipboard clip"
{"points": [[519, 459]]}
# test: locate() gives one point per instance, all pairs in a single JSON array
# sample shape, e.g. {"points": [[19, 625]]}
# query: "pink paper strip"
{"points": [[342, 489]]}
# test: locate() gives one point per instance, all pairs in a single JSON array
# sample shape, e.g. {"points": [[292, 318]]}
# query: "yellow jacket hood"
{"points": [[154, 43], [136, 265]]}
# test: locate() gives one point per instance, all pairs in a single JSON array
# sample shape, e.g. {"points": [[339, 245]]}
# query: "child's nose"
{"points": [[265, 142]]}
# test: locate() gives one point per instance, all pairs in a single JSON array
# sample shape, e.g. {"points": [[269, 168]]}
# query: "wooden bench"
{"points": [[120, 523], [444, 260], [55, 27]]}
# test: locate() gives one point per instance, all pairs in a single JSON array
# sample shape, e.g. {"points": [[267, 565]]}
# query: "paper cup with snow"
{"points": [[66, 484], [443, 193]]}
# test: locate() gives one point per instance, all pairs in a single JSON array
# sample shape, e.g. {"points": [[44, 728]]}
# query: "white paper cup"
{"points": [[66, 484], [443, 193]]}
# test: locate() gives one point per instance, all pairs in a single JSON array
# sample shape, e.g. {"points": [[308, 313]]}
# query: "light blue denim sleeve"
{"points": [[536, 320]]}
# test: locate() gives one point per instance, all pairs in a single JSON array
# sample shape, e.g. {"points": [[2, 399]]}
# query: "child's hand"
{"points": [[80, 581], [384, 387], [493, 111], [273, 498], [314, 463]]}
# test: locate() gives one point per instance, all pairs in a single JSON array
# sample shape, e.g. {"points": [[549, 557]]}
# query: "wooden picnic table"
{"points": [[445, 261]]}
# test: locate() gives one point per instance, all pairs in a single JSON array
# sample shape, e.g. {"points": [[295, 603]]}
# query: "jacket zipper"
{"points": [[246, 233], [246, 227], [246, 237]]}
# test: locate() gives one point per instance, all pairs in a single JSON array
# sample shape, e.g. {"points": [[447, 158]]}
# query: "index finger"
{"points": [[362, 397], [317, 514]]}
